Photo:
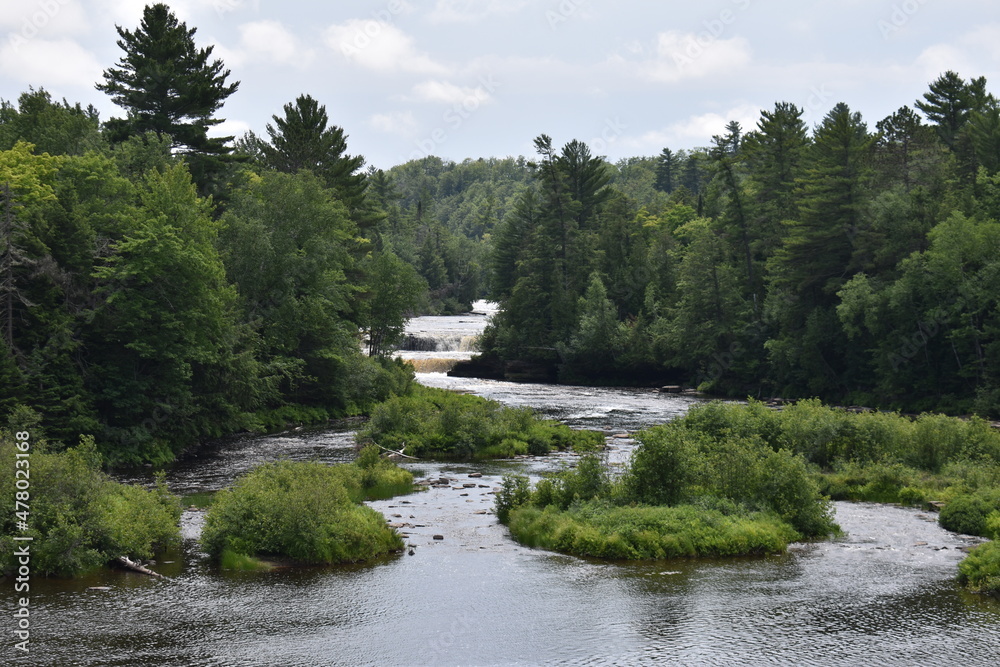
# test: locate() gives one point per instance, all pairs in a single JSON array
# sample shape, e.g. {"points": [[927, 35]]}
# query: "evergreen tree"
{"points": [[304, 139], [815, 259], [667, 166], [169, 86], [950, 101]]}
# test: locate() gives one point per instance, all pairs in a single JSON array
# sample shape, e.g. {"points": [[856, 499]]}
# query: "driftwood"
{"points": [[393, 452], [137, 567]]}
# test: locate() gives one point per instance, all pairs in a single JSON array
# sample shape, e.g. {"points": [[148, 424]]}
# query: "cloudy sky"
{"points": [[476, 78]]}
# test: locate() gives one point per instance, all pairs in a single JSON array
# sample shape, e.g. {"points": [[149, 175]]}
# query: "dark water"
{"points": [[882, 595]]}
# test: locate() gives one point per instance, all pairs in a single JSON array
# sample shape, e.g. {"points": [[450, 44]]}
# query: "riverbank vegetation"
{"points": [[439, 424], [77, 517], [310, 513], [762, 468], [685, 492]]}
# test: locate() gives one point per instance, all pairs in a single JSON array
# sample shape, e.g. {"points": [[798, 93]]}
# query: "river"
{"points": [[884, 594]]}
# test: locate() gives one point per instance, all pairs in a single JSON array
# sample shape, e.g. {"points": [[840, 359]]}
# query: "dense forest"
{"points": [[852, 264], [160, 286]]}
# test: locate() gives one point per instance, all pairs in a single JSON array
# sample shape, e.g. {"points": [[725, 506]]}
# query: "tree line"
{"points": [[160, 286], [854, 264]]}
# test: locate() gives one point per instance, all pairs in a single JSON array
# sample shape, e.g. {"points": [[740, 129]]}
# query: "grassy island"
{"points": [[731, 478], [439, 424], [310, 513]]}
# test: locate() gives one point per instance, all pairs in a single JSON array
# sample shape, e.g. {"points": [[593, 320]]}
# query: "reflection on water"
{"points": [[882, 595]]}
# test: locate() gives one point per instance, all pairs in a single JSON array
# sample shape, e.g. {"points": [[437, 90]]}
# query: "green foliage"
{"points": [[434, 423], [515, 490], [80, 519], [600, 530], [308, 512], [968, 513], [170, 87], [980, 571]]}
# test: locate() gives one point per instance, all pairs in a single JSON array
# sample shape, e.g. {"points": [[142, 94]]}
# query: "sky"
{"points": [[466, 79]]}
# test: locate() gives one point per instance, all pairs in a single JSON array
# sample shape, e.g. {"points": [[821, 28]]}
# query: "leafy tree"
{"points": [[393, 288], [289, 247], [167, 363], [54, 128]]}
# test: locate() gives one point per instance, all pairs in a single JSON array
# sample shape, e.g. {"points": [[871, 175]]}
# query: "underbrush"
{"points": [[80, 519], [435, 423], [308, 512]]}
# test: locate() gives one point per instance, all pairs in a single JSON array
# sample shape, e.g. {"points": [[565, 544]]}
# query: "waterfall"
{"points": [[440, 343]]}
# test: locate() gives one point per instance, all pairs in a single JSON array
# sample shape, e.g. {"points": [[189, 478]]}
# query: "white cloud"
{"points": [[46, 63], [379, 46], [396, 122], [229, 128], [936, 60], [449, 93], [265, 41], [686, 55], [470, 11], [695, 130], [50, 19]]}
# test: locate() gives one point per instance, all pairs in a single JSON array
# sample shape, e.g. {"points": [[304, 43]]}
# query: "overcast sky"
{"points": [[477, 78]]}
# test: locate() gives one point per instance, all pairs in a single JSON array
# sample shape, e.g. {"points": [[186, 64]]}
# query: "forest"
{"points": [[161, 286]]}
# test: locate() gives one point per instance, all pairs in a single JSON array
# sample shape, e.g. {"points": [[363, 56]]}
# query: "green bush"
{"points": [[304, 511], [435, 423], [967, 513], [80, 519], [980, 571], [663, 466], [514, 492]]}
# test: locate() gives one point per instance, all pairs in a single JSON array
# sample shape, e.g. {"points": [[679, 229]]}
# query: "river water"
{"points": [[884, 594]]}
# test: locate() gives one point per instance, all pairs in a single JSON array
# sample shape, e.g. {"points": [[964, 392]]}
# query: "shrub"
{"points": [[980, 570], [514, 492], [967, 513], [663, 466], [80, 518], [303, 511], [435, 423]]}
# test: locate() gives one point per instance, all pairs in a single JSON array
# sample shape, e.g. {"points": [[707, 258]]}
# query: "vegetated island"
{"points": [[730, 479]]}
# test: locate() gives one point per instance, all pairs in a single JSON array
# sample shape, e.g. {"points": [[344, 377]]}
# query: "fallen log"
{"points": [[137, 567], [393, 452]]}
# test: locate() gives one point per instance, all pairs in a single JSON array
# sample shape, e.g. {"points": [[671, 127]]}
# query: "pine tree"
{"points": [[304, 139], [667, 167], [169, 86], [949, 102]]}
